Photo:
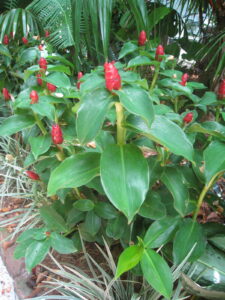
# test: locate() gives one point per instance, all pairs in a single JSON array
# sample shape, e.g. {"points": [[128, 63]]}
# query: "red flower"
{"points": [[112, 77], [184, 79], [39, 80], [40, 47], [5, 39], [221, 90], [43, 63], [25, 40], [6, 94], [47, 33], [79, 75], [159, 52], [32, 175], [57, 135], [34, 97], [51, 87], [188, 118], [142, 38]]}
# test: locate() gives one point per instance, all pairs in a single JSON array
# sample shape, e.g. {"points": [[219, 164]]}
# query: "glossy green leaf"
{"points": [[62, 244], [28, 56], [74, 171], [92, 81], [189, 235], [209, 127], [137, 101], [153, 208], [105, 210], [214, 160], [36, 252], [218, 241], [44, 109], [128, 259], [165, 132], [92, 223], [4, 51], [160, 232], [157, 272], [84, 205], [115, 227], [173, 180], [59, 79], [127, 48], [175, 86], [53, 220], [28, 234], [139, 61], [15, 124], [127, 169], [91, 114], [40, 144], [21, 248]]}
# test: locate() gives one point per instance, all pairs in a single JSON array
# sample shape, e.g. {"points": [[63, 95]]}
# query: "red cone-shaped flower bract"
{"points": [[6, 94], [221, 90], [184, 79], [57, 135], [47, 33], [159, 52], [142, 38], [112, 77], [39, 80], [32, 175], [34, 97], [25, 40], [79, 76], [43, 63], [51, 87], [40, 47], [6, 39], [188, 118]]}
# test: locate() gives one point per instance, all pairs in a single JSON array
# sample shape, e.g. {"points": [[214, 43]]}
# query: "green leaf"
{"points": [[173, 180], [74, 171], [165, 132], [152, 208], [28, 234], [214, 160], [28, 56], [160, 232], [36, 252], [92, 223], [218, 241], [157, 272], [52, 219], [128, 259], [59, 79], [208, 98], [212, 128], [40, 144], [84, 205], [189, 235], [175, 86], [116, 227], [44, 109], [21, 248], [196, 85], [125, 177], [156, 15], [15, 124], [91, 82], [137, 101], [139, 61], [4, 51], [105, 210], [91, 114], [62, 244], [127, 48]]}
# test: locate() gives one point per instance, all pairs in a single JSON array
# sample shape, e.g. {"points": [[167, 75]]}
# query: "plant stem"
{"points": [[155, 77], [217, 113], [176, 104], [40, 124], [121, 131], [60, 155]]}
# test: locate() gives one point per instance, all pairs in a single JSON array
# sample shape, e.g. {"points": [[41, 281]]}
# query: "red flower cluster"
{"points": [[32, 175], [51, 87], [25, 40], [142, 38], [188, 118], [40, 47], [6, 39], [159, 52], [79, 75], [47, 33], [57, 135], [43, 63], [34, 97], [112, 77], [221, 90], [184, 79], [6, 94]]}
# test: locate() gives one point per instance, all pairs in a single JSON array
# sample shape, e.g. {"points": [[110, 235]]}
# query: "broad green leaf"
{"points": [[173, 180], [139, 61], [61, 59], [104, 139], [74, 217], [152, 208], [52, 219], [105, 210], [137, 101], [44, 109], [127, 48], [36, 252], [74, 171], [21, 248], [92, 113], [165, 132], [175, 86], [196, 85], [160, 232], [40, 144], [62, 244], [84, 205], [4, 51], [208, 98], [59, 79], [51, 68], [218, 241], [214, 160], [115, 227], [15, 123], [156, 15], [189, 235], [91, 82], [209, 127], [28, 234], [28, 56], [127, 169], [92, 223], [128, 259], [129, 76], [157, 272]]}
